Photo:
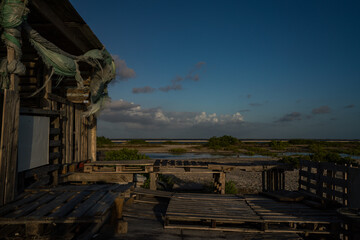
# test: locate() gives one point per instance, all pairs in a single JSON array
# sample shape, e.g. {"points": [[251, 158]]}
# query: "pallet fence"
{"points": [[326, 180]]}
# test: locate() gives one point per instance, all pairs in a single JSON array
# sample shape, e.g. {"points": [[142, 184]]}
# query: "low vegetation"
{"points": [[177, 150], [103, 141], [254, 150], [278, 145], [124, 154], [230, 187], [225, 141], [322, 156]]}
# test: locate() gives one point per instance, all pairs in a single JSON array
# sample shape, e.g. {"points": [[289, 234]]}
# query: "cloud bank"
{"points": [[134, 116], [290, 117], [176, 83], [321, 110]]}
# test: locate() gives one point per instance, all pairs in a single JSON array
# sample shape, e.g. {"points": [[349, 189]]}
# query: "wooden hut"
{"points": [[44, 128]]}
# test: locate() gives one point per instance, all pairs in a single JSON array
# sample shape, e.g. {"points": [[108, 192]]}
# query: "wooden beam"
{"points": [[92, 138], [39, 112], [153, 178], [9, 145], [44, 8], [108, 178]]}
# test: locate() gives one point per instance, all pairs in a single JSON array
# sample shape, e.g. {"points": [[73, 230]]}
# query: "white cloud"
{"points": [[134, 116]]}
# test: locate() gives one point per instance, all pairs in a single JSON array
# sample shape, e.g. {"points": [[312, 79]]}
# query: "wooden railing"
{"points": [[326, 180]]}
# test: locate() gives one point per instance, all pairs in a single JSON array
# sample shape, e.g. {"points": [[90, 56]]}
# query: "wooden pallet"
{"points": [[210, 211], [63, 205], [298, 216], [136, 166], [252, 213], [153, 193]]}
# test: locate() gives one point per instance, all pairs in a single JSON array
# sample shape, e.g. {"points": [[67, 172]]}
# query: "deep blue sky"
{"points": [[267, 69]]}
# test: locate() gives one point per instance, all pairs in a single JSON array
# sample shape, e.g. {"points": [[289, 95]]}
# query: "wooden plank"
{"points": [[85, 206], [309, 175], [69, 206], [334, 167], [38, 112], [45, 209], [92, 138], [103, 205], [308, 185], [45, 9], [77, 133], [71, 134], [57, 98], [108, 178], [9, 145], [28, 208], [18, 203], [144, 162]]}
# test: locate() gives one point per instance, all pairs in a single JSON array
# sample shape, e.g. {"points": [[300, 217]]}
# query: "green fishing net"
{"points": [[13, 15]]}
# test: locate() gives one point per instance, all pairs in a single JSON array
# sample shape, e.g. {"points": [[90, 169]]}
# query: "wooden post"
{"points": [[121, 227], [319, 180], [222, 181], [92, 137], [119, 204], [56, 124], [9, 136], [77, 130], [329, 174], [153, 178], [263, 181]]}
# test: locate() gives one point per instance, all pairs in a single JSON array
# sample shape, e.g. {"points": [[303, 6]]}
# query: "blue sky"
{"points": [[251, 69]]}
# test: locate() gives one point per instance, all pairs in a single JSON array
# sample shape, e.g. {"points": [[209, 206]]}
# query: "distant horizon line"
{"points": [[241, 139]]}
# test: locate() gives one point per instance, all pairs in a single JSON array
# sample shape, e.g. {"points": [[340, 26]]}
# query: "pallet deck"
{"points": [[64, 204], [249, 213]]}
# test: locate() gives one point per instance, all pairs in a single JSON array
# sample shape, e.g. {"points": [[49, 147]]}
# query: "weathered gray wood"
{"points": [[153, 178], [28, 208], [46, 209], [69, 206], [84, 207], [103, 205], [77, 132], [108, 178], [38, 112], [92, 138], [17, 204], [9, 145]]}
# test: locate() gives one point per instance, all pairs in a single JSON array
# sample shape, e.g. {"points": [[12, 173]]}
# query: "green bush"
{"points": [[137, 141], [177, 150], [230, 187], [222, 142], [124, 154], [101, 141]]}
